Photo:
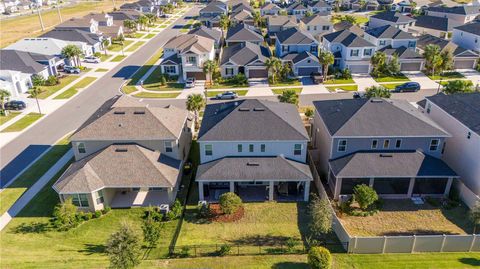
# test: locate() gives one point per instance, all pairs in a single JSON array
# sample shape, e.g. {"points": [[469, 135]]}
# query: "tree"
{"points": [[364, 195], [326, 58], [474, 215], [433, 59], [4, 96], [229, 203], [394, 65], [257, 18], [152, 230], [273, 65], [377, 92], [105, 43], [348, 18], [72, 52], [65, 215], [308, 13], [285, 70], [130, 24], [288, 96], [447, 60], [321, 213], [224, 23], [142, 20], [38, 80], [319, 258], [152, 18], [195, 103], [458, 86], [209, 67], [378, 61], [123, 248], [34, 93], [309, 112]]}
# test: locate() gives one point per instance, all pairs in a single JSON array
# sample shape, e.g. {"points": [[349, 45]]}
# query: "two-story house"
{"points": [[321, 7], [184, 56], [436, 26], [468, 36], [242, 33], [350, 50], [106, 24], [316, 25], [255, 148], [297, 9], [386, 144], [242, 16], [459, 114], [294, 40], [211, 33], [127, 154], [463, 14], [84, 24], [393, 18], [248, 59], [280, 23], [89, 43], [394, 41], [210, 15], [270, 9]]}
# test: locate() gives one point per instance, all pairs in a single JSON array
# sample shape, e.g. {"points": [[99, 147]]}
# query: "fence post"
{"points": [[443, 242], [384, 243], [216, 247], [259, 249], [413, 243], [195, 250], [473, 242], [238, 249]]}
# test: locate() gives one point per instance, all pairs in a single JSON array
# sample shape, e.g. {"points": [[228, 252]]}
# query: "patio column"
{"points": [[232, 186], [338, 187], [370, 183], [306, 193], [270, 190], [200, 191], [410, 187], [449, 185]]}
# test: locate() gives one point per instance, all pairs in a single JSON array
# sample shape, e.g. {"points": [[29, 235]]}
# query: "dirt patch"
{"points": [[219, 216]]}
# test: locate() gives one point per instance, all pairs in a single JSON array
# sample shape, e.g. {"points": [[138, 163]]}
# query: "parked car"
{"points": [[358, 95], [190, 83], [408, 87], [71, 69], [317, 78], [226, 95], [92, 59], [15, 105]]}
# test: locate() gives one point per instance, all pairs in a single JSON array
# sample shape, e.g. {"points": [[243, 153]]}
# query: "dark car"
{"points": [[408, 87], [15, 105]]}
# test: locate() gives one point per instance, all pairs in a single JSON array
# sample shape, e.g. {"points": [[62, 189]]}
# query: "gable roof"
{"points": [[207, 32], [393, 16], [252, 120], [461, 10], [242, 15], [296, 6], [270, 6], [241, 55], [437, 23], [125, 14], [191, 43], [20, 61], [388, 31], [295, 36], [462, 106], [375, 118], [456, 50], [214, 7], [282, 20], [315, 20], [243, 32], [345, 25], [402, 52], [242, 7], [76, 23], [74, 35], [472, 28], [348, 39], [47, 46], [319, 4], [298, 57]]}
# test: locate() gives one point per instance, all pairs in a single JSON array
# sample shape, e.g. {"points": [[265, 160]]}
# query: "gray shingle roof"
{"points": [[252, 120], [214, 7], [319, 4], [461, 10], [316, 19], [437, 23], [295, 36], [270, 6], [465, 107], [296, 6], [348, 39], [388, 31], [376, 118], [208, 33], [456, 50], [20, 61], [244, 54], [473, 28], [298, 57], [191, 43], [390, 164], [243, 32], [127, 166], [73, 35], [345, 25], [253, 168], [402, 52], [282, 20], [393, 16]]}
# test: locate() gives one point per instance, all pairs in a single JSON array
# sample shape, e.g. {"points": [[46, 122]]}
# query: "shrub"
{"points": [[38, 80], [291, 244], [224, 250], [346, 206], [154, 212], [319, 258], [98, 213], [88, 216], [163, 80], [364, 196], [177, 209], [65, 215], [185, 251], [230, 203], [321, 213], [80, 216], [97, 54], [123, 248], [52, 80], [309, 112], [106, 210], [203, 211]]}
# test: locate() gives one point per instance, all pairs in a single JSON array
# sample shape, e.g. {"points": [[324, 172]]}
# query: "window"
{"points": [[374, 143], [412, 44], [80, 199], [239, 148], [229, 71], [192, 59], [170, 69], [367, 52], [429, 107], [81, 148], [342, 145], [250, 148], [386, 143], [315, 28], [313, 48], [99, 197], [284, 48], [168, 146], [398, 143], [326, 28], [208, 150], [308, 28], [354, 52], [262, 148], [434, 144], [469, 134], [297, 150], [382, 42]]}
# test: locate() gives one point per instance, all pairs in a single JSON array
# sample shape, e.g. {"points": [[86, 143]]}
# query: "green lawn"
{"points": [[104, 57], [118, 58], [150, 36], [359, 19], [10, 116], [138, 35], [227, 86], [23, 123], [292, 82], [135, 46], [49, 90], [128, 89], [170, 86], [74, 89], [163, 26], [116, 47], [157, 95], [398, 78], [101, 70], [450, 75], [144, 69], [280, 91], [390, 86], [214, 93], [345, 88], [9, 195], [339, 81]]}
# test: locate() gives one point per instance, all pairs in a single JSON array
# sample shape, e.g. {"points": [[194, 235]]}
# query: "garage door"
{"points": [[464, 64], [307, 71], [196, 75], [358, 69], [410, 66], [257, 73]]}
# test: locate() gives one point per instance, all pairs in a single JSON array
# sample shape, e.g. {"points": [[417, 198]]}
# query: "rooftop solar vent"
{"points": [[376, 100], [119, 112], [384, 155], [259, 109], [121, 150], [139, 112], [244, 109], [253, 164]]}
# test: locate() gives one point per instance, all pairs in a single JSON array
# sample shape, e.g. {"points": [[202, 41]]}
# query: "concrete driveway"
{"points": [[364, 81], [472, 75], [424, 81]]}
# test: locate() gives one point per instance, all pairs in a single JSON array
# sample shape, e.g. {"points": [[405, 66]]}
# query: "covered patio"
{"points": [[139, 198]]}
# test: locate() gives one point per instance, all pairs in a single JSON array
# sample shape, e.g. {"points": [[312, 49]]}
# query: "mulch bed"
{"points": [[219, 216]]}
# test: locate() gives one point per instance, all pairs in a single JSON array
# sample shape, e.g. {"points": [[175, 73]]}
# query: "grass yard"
{"points": [[339, 81], [116, 47], [135, 46], [74, 89], [150, 36], [391, 86], [163, 26], [450, 75], [138, 35], [146, 66], [170, 86], [49, 90], [347, 88], [398, 78], [11, 194], [104, 57], [402, 217], [157, 95], [101, 70], [128, 89], [226, 86], [280, 91], [291, 82], [359, 19], [23, 123], [11, 115], [118, 58], [214, 93]]}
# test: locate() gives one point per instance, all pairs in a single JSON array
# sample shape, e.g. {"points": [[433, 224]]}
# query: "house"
{"points": [[211, 33], [106, 25], [88, 42], [386, 144], [184, 56], [254, 148], [210, 14], [122, 15], [436, 26], [45, 46], [392, 41], [270, 9], [468, 36], [127, 154], [359, 5], [350, 50], [242, 33], [144, 6], [294, 40], [240, 7], [316, 25], [462, 57], [277, 24], [463, 14], [84, 24], [404, 6], [391, 18], [321, 7], [248, 59], [242, 16], [345, 25], [297, 9], [459, 115], [15, 82], [303, 63]]}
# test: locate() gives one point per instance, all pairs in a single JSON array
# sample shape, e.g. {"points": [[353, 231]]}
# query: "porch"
{"points": [[139, 198]]}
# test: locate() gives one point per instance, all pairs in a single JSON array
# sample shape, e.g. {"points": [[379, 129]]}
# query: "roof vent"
{"points": [[259, 109], [121, 150], [386, 155], [253, 164], [139, 112], [119, 112], [376, 100], [244, 109]]}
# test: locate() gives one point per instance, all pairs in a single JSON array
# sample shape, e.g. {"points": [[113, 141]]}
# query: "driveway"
{"points": [[424, 81], [364, 81], [472, 75]]}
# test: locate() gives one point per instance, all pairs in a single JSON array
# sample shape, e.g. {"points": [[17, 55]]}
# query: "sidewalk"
{"points": [[32, 191]]}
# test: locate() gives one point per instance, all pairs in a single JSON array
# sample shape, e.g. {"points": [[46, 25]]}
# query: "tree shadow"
{"points": [[90, 249], [418, 232], [35, 227], [470, 261], [290, 265], [261, 240]]}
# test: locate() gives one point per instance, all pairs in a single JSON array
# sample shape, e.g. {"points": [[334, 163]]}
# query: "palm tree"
{"points": [[142, 21], [273, 65], [257, 18], [224, 24], [377, 92], [105, 43], [447, 60], [34, 93], [4, 96], [458, 86], [72, 52], [326, 58], [288, 96], [130, 24], [378, 61], [195, 103], [152, 18], [432, 57], [208, 68]]}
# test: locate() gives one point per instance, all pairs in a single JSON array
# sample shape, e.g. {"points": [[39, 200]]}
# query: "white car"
{"points": [[190, 83], [92, 59]]}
